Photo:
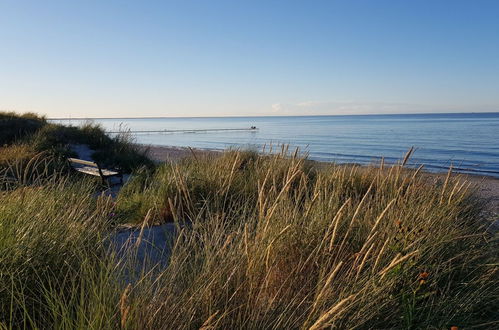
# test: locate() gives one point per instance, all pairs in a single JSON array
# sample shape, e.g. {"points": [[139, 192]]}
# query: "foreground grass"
{"points": [[267, 242], [277, 243], [52, 257]]}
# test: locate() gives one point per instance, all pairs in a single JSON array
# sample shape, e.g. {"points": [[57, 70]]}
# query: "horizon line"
{"points": [[250, 116]]}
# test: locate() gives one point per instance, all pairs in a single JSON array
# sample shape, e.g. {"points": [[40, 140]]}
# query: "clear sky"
{"points": [[219, 58]]}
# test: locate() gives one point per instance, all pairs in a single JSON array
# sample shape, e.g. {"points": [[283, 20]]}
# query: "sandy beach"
{"points": [[170, 153]]}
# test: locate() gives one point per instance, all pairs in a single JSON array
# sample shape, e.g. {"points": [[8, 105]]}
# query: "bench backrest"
{"points": [[83, 162]]}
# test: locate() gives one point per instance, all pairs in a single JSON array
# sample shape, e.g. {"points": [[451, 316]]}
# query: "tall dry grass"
{"points": [[52, 255], [276, 242], [264, 241]]}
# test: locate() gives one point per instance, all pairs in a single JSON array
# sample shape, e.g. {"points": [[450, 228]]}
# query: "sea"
{"points": [[467, 141]]}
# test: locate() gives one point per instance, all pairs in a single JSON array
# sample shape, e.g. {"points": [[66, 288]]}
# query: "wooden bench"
{"points": [[92, 168]]}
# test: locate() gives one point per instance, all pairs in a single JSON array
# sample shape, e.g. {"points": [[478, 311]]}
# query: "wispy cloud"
{"points": [[347, 108], [276, 107], [309, 103]]}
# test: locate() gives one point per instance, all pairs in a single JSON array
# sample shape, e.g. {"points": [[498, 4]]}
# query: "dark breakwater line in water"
{"points": [[207, 130]]}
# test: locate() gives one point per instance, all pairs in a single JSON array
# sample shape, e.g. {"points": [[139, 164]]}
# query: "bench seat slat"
{"points": [[95, 171], [109, 173], [86, 170]]}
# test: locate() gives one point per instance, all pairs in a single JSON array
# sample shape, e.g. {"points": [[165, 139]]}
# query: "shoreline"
{"points": [[161, 154]]}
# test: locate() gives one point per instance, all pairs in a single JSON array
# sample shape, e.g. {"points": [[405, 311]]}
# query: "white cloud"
{"points": [[276, 107]]}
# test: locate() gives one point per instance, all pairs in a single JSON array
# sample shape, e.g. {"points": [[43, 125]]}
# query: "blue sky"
{"points": [[220, 58]]}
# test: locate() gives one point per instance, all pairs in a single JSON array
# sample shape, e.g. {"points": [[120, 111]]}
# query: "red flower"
{"points": [[423, 276]]}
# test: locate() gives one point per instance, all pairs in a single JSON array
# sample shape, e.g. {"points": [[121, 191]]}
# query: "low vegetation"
{"points": [[118, 151], [264, 241], [32, 135], [52, 256], [15, 127], [277, 242]]}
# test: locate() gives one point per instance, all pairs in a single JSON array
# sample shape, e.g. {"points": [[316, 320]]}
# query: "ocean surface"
{"points": [[468, 141]]}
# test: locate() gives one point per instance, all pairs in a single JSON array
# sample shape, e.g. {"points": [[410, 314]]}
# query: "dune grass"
{"points": [[12, 152], [31, 135], [118, 151], [15, 126], [264, 241], [51, 253], [279, 243]]}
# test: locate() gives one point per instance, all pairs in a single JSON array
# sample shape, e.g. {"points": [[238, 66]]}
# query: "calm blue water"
{"points": [[470, 142]]}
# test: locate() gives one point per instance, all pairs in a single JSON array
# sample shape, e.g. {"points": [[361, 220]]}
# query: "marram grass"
{"points": [[265, 241]]}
